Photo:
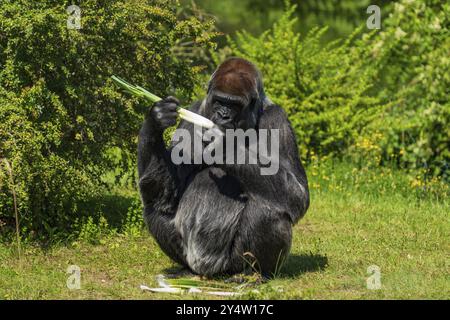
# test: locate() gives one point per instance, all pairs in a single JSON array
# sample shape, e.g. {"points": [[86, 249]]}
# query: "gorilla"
{"points": [[222, 219]]}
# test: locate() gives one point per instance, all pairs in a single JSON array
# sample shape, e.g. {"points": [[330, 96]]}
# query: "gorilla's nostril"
{"points": [[224, 120], [224, 115]]}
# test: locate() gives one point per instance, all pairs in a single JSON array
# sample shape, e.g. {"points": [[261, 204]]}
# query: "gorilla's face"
{"points": [[232, 111], [235, 95]]}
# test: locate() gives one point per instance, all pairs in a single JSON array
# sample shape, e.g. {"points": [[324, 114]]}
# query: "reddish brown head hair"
{"points": [[236, 76]]}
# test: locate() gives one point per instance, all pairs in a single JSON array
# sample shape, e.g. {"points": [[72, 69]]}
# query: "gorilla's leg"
{"points": [[263, 241], [228, 232], [208, 219], [162, 227]]}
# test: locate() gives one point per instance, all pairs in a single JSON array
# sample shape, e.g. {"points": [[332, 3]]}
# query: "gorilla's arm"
{"points": [[161, 182], [157, 174], [159, 186], [287, 190]]}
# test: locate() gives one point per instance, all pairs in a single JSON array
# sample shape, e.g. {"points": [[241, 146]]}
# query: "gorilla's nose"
{"points": [[224, 114], [223, 117], [224, 121]]}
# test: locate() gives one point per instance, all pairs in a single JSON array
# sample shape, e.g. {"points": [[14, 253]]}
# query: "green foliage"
{"points": [[94, 232], [134, 221], [256, 16], [59, 110], [323, 89], [385, 88], [346, 178], [413, 52]]}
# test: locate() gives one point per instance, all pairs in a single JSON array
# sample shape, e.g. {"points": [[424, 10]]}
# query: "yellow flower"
{"points": [[416, 183]]}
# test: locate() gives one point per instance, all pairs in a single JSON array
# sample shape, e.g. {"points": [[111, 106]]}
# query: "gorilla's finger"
{"points": [[170, 115], [158, 115], [168, 122], [171, 107], [153, 111], [172, 99], [156, 108], [159, 103]]}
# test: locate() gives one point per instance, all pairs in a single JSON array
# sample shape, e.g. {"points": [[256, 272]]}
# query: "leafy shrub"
{"points": [[412, 49], [59, 111], [387, 89], [256, 16], [134, 221], [323, 89], [94, 232]]}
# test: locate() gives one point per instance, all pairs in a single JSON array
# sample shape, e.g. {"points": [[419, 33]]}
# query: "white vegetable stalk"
{"points": [[143, 93], [195, 118]]}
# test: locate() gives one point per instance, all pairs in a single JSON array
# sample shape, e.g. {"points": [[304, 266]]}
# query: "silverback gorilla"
{"points": [[219, 219]]}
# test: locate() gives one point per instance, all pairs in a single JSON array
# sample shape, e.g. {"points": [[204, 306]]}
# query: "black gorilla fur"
{"points": [[220, 219]]}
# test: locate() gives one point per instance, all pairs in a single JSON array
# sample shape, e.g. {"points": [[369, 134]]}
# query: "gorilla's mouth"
{"points": [[223, 124], [228, 125]]}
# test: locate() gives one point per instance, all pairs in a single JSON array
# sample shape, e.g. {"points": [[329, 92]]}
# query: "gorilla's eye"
{"points": [[225, 111], [232, 102]]}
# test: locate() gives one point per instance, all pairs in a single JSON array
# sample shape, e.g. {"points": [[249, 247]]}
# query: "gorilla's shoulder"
{"points": [[273, 114]]}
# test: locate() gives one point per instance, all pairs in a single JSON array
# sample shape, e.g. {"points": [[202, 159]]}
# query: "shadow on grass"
{"points": [[178, 271], [298, 264]]}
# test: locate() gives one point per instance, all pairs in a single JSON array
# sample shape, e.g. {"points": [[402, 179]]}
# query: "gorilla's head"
{"points": [[235, 96]]}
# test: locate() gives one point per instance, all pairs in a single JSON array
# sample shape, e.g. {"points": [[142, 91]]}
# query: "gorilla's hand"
{"points": [[164, 112]]}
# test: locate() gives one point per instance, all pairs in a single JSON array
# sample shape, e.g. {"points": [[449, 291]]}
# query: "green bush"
{"points": [[256, 16], [60, 112], [134, 222], [323, 89], [412, 49], [383, 92]]}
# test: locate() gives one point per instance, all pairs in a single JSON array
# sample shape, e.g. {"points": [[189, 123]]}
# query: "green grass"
{"points": [[346, 230]]}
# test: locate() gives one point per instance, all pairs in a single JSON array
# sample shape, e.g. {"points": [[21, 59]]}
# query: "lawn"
{"points": [[345, 231]]}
